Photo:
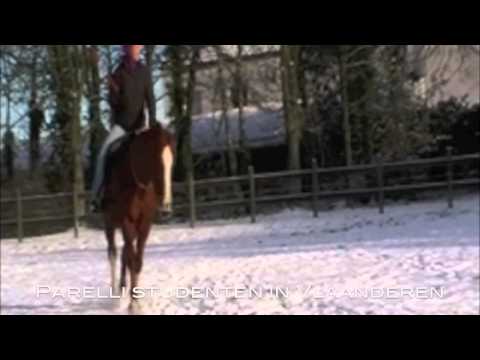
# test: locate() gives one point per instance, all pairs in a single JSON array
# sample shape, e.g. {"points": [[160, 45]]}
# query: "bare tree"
{"points": [[292, 106], [8, 136], [36, 110], [181, 65], [93, 82], [242, 89], [66, 63], [149, 56]]}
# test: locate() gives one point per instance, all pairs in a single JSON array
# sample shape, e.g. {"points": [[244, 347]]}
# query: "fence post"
{"points": [[19, 215], [191, 199], [450, 177], [381, 184], [253, 204], [75, 212], [315, 187]]}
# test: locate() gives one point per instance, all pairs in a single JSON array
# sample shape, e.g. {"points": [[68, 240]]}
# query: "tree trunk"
{"points": [[66, 165], [293, 109], [231, 150], [37, 119], [9, 139], [97, 131], [346, 107], [56, 173], [2, 139], [77, 66], [182, 106], [149, 53], [344, 83], [231, 153], [187, 144], [246, 156], [178, 99]]}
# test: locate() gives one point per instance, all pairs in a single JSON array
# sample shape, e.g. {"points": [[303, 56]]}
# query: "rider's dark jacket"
{"points": [[134, 92]]}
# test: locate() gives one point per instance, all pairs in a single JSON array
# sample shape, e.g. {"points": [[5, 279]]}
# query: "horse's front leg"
{"points": [[137, 262], [123, 270], [129, 256], [112, 255], [143, 234]]}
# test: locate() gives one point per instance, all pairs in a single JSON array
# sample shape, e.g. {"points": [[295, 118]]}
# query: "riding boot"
{"points": [[98, 203], [95, 207]]}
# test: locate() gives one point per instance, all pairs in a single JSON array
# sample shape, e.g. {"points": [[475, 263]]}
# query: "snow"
{"points": [[287, 263]]}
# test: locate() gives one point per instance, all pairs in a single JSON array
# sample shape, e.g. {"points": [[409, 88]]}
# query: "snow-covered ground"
{"points": [[416, 259]]}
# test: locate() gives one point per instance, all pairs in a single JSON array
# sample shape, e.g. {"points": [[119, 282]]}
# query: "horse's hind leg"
{"points": [[112, 255]]}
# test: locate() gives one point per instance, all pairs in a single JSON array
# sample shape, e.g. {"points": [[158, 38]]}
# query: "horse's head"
{"points": [[165, 145]]}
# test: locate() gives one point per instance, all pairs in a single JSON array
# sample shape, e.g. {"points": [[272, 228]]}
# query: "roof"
{"points": [[262, 128]]}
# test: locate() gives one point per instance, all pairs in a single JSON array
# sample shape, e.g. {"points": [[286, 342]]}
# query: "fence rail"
{"points": [[252, 199]]}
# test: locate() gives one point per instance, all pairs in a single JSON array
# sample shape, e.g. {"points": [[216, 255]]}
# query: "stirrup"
{"points": [[95, 207], [98, 204]]}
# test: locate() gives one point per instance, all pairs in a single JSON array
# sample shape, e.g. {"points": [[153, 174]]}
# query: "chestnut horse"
{"points": [[138, 183]]}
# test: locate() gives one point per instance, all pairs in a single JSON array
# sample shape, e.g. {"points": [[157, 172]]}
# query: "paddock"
{"points": [[419, 258]]}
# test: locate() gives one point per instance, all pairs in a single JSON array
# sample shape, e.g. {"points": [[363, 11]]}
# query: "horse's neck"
{"points": [[142, 151], [142, 139]]}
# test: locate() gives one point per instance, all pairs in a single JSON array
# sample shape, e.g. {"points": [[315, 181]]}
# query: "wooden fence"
{"points": [[252, 199]]}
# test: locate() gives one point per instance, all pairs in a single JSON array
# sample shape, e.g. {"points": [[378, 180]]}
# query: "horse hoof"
{"points": [[134, 308], [166, 211]]}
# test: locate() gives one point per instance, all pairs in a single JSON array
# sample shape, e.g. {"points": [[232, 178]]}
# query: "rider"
{"points": [[130, 91]]}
